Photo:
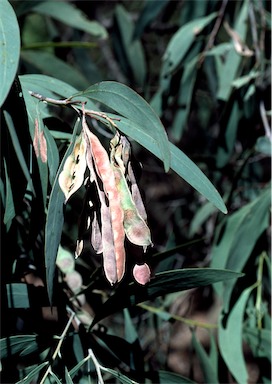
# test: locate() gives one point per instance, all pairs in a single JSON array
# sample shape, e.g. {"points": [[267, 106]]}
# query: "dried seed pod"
{"points": [[141, 273], [96, 237], [136, 228], [72, 176]]}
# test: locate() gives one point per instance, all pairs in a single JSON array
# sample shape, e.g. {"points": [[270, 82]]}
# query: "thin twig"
{"points": [[54, 101], [61, 339], [254, 33], [215, 30], [97, 366], [265, 121]]}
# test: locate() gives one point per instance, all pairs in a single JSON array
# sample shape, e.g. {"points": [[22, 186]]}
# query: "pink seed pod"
{"points": [[141, 273]]}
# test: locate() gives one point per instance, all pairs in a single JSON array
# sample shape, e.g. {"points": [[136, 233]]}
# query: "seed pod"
{"points": [[141, 273], [136, 228], [72, 176]]}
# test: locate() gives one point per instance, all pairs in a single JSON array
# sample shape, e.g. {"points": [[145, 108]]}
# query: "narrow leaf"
{"points": [[68, 14], [54, 222], [9, 204], [9, 48], [230, 339], [129, 104], [162, 284], [180, 163]]}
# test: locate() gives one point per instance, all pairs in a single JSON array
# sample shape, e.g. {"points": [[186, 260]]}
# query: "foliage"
{"points": [[87, 106]]}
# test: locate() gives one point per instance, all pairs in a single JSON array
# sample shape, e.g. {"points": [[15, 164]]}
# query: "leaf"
{"points": [[121, 378], [133, 49], [149, 13], [230, 339], [181, 41], [129, 104], [68, 14], [263, 145], [231, 66], [54, 221], [52, 154], [162, 284], [259, 341], [200, 217], [49, 64], [14, 344], [18, 149], [9, 48], [68, 379], [9, 204], [17, 294], [180, 163], [242, 230], [28, 379], [173, 378], [208, 367]]}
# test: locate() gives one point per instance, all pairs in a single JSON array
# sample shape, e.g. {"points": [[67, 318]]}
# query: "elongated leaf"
{"points": [[230, 339], [17, 295], [181, 42], [9, 48], [49, 64], [231, 66], [68, 14], [242, 230], [18, 149], [150, 11], [132, 48], [259, 341], [129, 104], [121, 378], [162, 284], [15, 344], [31, 375], [208, 368], [180, 163], [173, 378], [54, 222], [9, 204]]}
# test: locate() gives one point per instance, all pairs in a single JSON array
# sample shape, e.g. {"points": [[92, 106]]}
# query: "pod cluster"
{"points": [[120, 213]]}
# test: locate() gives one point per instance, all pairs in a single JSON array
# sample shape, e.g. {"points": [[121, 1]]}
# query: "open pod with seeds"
{"points": [[117, 211]]}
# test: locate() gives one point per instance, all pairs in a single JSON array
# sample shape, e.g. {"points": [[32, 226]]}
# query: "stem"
{"points": [[97, 366], [63, 44], [259, 291], [265, 121], [61, 338], [193, 323]]}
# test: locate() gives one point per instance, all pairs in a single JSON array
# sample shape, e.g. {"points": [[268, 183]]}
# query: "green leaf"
{"points": [[121, 378], [17, 295], [180, 163], [173, 378], [68, 14], [9, 48], [201, 216], [131, 334], [181, 42], [68, 379], [49, 64], [15, 344], [207, 365], [52, 154], [259, 341], [242, 229], [9, 204], [18, 149], [162, 284], [149, 13], [232, 63], [32, 375], [133, 49], [55, 220], [230, 339], [263, 145], [129, 104]]}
